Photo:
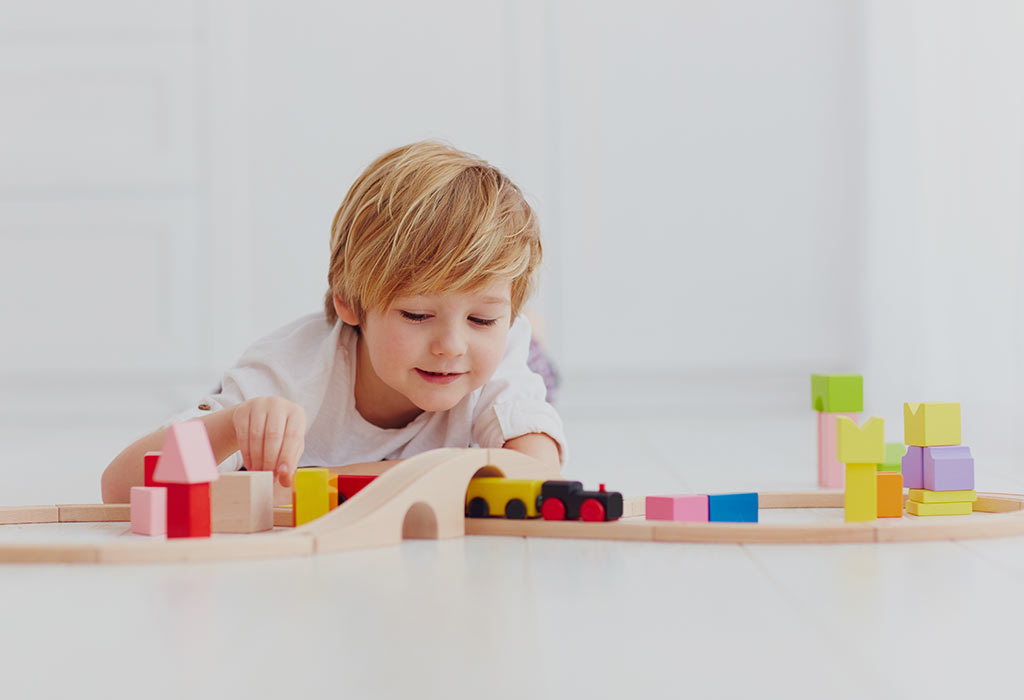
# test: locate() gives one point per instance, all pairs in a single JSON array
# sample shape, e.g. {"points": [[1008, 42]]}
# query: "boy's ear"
{"points": [[345, 312]]}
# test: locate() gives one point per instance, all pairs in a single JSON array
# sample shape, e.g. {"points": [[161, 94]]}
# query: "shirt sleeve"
{"points": [[290, 363], [512, 403]]}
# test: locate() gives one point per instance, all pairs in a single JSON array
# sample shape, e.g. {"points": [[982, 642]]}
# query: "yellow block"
{"points": [[926, 496], [860, 445], [310, 497], [931, 424], [861, 500], [915, 508]]}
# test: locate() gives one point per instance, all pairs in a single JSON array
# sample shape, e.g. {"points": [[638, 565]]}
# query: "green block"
{"points": [[894, 452], [837, 393]]}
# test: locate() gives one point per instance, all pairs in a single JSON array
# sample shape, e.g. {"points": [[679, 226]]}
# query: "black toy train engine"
{"points": [[566, 500]]}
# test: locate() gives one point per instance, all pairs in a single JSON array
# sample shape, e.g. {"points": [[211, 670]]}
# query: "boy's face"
{"points": [[429, 352]]}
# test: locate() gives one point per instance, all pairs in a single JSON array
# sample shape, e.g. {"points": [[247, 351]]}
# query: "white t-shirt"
{"points": [[313, 364]]}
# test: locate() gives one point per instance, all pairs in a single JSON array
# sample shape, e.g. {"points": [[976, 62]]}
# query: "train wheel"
{"points": [[592, 510], [478, 508], [515, 509], [552, 509]]}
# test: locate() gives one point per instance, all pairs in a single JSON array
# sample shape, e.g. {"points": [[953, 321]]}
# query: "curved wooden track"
{"points": [[424, 497]]}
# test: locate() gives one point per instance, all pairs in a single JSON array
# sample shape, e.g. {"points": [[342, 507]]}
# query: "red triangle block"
{"points": [[186, 457]]}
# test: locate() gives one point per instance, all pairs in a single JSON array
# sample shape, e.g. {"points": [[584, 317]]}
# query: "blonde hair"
{"points": [[424, 219]]}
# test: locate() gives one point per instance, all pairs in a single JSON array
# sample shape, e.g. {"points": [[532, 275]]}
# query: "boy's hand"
{"points": [[271, 434]]}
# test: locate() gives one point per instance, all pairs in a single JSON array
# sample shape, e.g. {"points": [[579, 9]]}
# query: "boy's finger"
{"points": [[257, 426], [284, 475], [272, 439], [291, 449], [242, 435]]}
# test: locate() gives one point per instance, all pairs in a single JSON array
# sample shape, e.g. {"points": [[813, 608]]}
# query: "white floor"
{"points": [[514, 618]]}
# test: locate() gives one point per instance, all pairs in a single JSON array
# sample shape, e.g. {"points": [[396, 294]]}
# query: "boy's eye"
{"points": [[483, 321], [412, 316]]}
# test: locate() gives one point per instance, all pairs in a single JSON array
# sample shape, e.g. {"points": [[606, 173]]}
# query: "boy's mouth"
{"points": [[439, 377]]}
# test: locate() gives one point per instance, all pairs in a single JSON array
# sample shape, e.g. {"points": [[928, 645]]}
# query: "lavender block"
{"points": [[913, 468], [948, 468]]}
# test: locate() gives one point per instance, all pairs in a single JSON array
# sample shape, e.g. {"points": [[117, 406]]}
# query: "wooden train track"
{"points": [[423, 497]]}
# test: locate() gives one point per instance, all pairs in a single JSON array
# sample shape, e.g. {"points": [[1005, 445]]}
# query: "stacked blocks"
{"points": [[862, 449], [702, 508], [938, 470], [834, 396], [310, 495], [185, 468], [243, 502]]}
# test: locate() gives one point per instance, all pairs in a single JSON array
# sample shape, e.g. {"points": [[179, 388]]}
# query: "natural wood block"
{"points": [[931, 424], [242, 502], [284, 516]]}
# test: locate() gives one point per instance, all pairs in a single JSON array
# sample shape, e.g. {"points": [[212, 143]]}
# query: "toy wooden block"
{"points": [[188, 510], [831, 472], [890, 495], [351, 484], [732, 508], [837, 393], [149, 462], [242, 502], [894, 452], [860, 444], [691, 508], [186, 467], [915, 508], [10, 515], [310, 497], [912, 466], [948, 468], [94, 513], [861, 502], [332, 494], [931, 424], [149, 510], [507, 498], [926, 496], [186, 457]]}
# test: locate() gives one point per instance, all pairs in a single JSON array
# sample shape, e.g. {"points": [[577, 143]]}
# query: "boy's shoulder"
{"points": [[303, 336]]}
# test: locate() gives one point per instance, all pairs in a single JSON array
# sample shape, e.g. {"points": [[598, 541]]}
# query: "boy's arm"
{"points": [[127, 468], [540, 446]]}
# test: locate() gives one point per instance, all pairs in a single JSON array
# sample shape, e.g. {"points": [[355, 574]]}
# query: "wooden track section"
{"points": [[424, 497]]}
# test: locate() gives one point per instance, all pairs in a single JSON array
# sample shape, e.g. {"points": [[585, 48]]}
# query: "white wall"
{"points": [[732, 193]]}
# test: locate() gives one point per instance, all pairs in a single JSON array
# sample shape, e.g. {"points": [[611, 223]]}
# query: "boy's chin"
{"points": [[434, 404]]}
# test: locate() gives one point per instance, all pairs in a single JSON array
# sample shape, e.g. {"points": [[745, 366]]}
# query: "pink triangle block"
{"points": [[186, 457]]}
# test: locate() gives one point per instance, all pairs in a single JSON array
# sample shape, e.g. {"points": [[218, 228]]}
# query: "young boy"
{"points": [[422, 345]]}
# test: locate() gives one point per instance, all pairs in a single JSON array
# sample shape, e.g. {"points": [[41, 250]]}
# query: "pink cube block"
{"points": [[831, 472], [948, 468], [149, 510], [686, 509], [912, 468]]}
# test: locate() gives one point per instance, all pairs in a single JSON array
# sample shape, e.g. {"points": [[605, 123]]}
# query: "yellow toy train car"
{"points": [[511, 498]]}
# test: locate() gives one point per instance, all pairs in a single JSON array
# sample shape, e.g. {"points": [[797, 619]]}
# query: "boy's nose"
{"points": [[449, 342]]}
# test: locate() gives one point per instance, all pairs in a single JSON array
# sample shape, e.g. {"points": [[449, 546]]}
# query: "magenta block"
{"points": [[149, 510], [831, 472], [912, 467], [948, 468], [686, 509]]}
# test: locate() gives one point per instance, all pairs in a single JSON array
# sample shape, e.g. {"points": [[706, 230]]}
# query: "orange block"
{"points": [[890, 495]]}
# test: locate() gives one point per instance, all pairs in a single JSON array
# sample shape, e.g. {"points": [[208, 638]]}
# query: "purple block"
{"points": [[687, 509], [913, 468], [948, 468]]}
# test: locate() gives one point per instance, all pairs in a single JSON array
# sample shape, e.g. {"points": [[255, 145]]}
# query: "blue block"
{"points": [[732, 508]]}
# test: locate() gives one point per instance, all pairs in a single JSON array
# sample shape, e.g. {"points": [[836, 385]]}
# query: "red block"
{"points": [[188, 510], [149, 463]]}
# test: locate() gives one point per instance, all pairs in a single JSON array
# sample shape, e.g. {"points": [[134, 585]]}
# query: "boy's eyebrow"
{"points": [[494, 300]]}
